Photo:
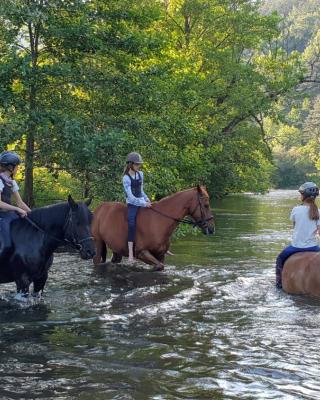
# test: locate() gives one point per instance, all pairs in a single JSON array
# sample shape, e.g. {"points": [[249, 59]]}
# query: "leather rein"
{"points": [[73, 243], [200, 223]]}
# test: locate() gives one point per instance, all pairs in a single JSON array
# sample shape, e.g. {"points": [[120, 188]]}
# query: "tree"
{"points": [[33, 81], [186, 82]]}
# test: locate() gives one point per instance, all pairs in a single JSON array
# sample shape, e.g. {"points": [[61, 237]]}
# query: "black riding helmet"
{"points": [[309, 190], [9, 159]]}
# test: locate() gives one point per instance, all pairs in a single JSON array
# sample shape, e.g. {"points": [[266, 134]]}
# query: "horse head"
{"points": [[200, 211], [78, 228]]}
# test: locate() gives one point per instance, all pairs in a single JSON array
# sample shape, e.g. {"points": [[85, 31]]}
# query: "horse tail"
{"points": [[101, 252]]}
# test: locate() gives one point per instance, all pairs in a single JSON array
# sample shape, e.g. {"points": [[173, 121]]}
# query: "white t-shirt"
{"points": [[305, 229], [15, 187]]}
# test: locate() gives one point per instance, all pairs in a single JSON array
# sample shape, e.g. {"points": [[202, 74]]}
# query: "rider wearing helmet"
{"points": [[135, 197], [306, 225], [9, 164]]}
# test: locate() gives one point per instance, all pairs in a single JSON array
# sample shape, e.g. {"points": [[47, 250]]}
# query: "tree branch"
{"points": [[229, 128]]}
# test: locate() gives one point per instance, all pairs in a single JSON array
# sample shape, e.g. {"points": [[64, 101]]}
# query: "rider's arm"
{"points": [[3, 205], [142, 191], [292, 216], [20, 202], [9, 207], [318, 227]]}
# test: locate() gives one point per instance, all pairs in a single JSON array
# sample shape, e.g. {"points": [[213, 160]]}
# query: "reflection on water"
{"points": [[212, 327]]}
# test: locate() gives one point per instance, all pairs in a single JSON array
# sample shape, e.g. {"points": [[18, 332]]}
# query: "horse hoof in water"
{"points": [[36, 296], [22, 297], [157, 268]]}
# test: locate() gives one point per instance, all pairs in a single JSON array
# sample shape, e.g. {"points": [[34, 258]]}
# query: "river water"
{"points": [[212, 327]]}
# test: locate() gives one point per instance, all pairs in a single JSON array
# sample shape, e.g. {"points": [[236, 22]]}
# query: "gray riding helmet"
{"points": [[9, 158], [309, 189], [135, 158]]}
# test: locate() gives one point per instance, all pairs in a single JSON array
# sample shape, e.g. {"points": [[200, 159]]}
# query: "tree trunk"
{"points": [[187, 29], [86, 189], [28, 179], [31, 127]]}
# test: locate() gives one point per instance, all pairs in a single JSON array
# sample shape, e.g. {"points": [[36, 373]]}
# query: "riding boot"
{"points": [[279, 268]]}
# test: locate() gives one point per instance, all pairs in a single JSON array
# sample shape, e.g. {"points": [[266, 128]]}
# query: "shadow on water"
{"points": [[12, 311], [122, 276], [211, 326]]}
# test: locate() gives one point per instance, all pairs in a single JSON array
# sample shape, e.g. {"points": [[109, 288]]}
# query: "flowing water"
{"points": [[212, 327]]}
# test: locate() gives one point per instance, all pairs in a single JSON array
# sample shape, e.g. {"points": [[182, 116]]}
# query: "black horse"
{"points": [[36, 237]]}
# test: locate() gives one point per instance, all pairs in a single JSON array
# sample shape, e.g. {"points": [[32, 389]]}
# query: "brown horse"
{"points": [[301, 274], [155, 225]]}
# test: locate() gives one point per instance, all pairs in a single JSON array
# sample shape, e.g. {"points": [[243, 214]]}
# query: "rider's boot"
{"points": [[279, 268]]}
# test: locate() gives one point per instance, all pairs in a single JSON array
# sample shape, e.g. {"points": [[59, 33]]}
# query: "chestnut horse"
{"points": [[301, 274], [155, 225]]}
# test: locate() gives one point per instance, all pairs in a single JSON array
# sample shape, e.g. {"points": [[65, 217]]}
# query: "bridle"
{"points": [[72, 241], [202, 223]]}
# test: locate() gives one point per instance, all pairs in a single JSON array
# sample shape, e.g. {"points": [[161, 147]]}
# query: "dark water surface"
{"points": [[213, 327]]}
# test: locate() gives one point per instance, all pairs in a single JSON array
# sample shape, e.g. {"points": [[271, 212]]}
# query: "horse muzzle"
{"points": [[87, 254], [87, 249], [208, 230]]}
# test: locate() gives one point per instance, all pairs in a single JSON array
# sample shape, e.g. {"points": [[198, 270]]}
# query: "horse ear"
{"points": [[88, 202], [72, 203], [199, 188]]}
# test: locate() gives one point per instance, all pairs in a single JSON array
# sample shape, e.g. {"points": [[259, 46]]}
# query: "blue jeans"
{"points": [[284, 255], [5, 233], [132, 216]]}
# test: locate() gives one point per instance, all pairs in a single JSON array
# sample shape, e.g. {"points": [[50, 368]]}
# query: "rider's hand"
{"points": [[148, 204], [22, 212]]}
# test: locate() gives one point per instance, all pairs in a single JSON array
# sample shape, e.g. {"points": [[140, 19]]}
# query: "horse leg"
{"points": [[40, 281], [161, 258], [38, 284], [116, 258], [101, 252], [22, 283], [148, 258]]}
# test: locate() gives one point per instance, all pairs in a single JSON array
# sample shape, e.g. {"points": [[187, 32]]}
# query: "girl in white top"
{"points": [[306, 227]]}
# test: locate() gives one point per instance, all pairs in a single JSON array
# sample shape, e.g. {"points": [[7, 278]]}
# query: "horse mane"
{"points": [[49, 215], [173, 195]]}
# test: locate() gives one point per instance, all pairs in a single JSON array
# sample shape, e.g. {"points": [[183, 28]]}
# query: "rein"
{"points": [[180, 221], [76, 245], [187, 220]]}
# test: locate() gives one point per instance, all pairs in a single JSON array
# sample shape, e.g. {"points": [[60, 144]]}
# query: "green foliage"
{"points": [[294, 136], [185, 82]]}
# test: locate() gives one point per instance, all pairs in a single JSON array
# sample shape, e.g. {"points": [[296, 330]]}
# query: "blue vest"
{"points": [[136, 184], [6, 192]]}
